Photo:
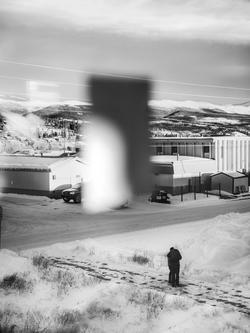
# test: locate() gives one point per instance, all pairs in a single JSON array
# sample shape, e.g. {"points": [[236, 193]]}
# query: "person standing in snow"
{"points": [[174, 258]]}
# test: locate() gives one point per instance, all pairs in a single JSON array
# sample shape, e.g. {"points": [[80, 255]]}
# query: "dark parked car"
{"points": [[122, 206], [73, 193], [57, 192], [159, 196]]}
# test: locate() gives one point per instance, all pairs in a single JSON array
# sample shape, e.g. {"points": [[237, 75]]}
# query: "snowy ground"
{"points": [[33, 221], [98, 286]]}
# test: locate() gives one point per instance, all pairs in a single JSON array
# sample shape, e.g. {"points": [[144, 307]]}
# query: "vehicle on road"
{"points": [[159, 196], [123, 205], [74, 193], [57, 192]]}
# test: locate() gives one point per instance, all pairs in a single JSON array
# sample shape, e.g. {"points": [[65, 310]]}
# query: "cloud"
{"points": [[218, 20]]}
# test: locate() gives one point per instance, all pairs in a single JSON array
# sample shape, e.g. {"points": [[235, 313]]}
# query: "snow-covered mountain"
{"points": [[167, 117], [170, 106], [198, 118], [24, 106], [166, 106]]}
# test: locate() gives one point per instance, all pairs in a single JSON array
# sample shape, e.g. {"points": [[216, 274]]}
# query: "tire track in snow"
{"points": [[201, 292]]}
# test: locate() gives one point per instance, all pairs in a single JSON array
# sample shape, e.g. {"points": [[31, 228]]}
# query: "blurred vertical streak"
{"points": [[123, 103]]}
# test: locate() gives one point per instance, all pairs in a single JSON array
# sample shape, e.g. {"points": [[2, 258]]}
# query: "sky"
{"points": [[189, 49]]}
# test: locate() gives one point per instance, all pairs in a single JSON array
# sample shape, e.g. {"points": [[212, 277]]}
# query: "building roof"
{"points": [[185, 166], [201, 138], [235, 174], [167, 159], [29, 162], [205, 138]]}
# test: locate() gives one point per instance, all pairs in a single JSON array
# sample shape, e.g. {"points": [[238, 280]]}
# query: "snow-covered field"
{"points": [[47, 297]]}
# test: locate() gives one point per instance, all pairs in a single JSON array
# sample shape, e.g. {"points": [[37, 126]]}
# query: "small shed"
{"points": [[231, 182]]}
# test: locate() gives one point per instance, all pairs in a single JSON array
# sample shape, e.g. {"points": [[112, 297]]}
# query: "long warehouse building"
{"points": [[231, 153]]}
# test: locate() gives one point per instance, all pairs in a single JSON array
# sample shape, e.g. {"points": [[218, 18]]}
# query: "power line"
{"points": [[163, 92], [198, 95], [86, 85], [30, 79], [25, 94], [121, 76]]}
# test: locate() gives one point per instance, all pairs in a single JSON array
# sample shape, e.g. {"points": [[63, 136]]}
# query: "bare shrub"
{"points": [[152, 301], [7, 314], [72, 322], [211, 312], [13, 320], [233, 328], [69, 329], [69, 317], [40, 261], [92, 251], [6, 329], [15, 281], [179, 303], [34, 322], [97, 310], [140, 259], [67, 279]]}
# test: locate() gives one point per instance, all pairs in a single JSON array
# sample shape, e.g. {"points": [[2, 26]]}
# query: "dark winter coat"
{"points": [[174, 257]]}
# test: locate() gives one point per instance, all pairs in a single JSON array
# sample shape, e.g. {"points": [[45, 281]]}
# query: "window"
{"points": [[205, 149], [242, 188], [159, 150], [173, 150], [54, 177]]}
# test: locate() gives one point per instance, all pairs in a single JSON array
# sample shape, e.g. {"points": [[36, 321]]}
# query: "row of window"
{"points": [[174, 150]]}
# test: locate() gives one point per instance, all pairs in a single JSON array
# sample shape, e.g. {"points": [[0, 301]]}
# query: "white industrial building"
{"points": [[178, 173], [38, 175], [231, 153]]}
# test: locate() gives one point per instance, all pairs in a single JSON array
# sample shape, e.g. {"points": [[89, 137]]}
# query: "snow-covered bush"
{"points": [[140, 259], [69, 317], [151, 301], [16, 281], [98, 310], [41, 261]]}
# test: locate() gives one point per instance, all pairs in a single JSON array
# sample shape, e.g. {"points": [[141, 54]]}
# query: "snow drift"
{"points": [[217, 250]]}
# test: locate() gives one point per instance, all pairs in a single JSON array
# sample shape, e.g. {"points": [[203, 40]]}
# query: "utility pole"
{"points": [[1, 216], [181, 193], [64, 136], [199, 182]]}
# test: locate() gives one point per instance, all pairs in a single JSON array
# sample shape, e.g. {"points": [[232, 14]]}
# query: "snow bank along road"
{"points": [[32, 221], [202, 292]]}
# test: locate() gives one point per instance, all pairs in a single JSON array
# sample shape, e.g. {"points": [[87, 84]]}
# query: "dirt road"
{"points": [[32, 221]]}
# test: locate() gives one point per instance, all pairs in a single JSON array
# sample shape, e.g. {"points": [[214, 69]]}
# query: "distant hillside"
{"points": [[166, 118], [64, 111], [204, 121]]}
